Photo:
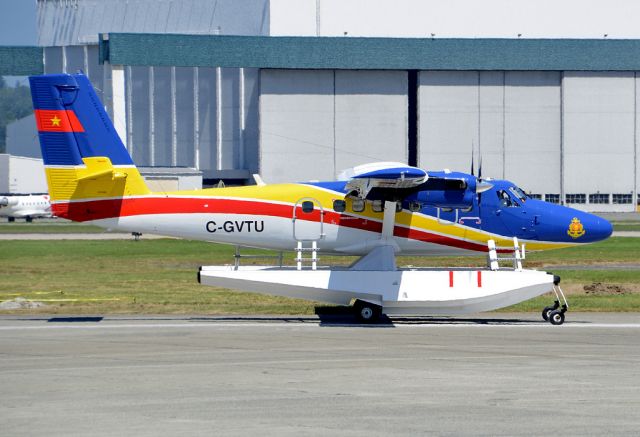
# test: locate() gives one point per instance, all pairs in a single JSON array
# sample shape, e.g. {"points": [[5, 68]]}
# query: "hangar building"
{"points": [[542, 93]]}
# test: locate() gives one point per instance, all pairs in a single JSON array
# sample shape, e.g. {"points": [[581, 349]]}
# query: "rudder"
{"points": [[83, 155]]}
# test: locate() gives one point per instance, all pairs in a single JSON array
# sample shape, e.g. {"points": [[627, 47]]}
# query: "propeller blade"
{"points": [[472, 153]]}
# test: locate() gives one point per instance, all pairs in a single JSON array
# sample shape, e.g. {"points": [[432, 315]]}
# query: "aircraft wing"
{"points": [[385, 175], [395, 182]]}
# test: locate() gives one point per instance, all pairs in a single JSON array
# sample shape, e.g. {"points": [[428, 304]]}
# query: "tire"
{"points": [[545, 313], [367, 312], [29, 219], [556, 317]]}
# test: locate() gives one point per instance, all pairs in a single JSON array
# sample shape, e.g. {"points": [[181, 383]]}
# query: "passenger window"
{"points": [[415, 206], [307, 206], [339, 205], [357, 205], [398, 207], [377, 206]]}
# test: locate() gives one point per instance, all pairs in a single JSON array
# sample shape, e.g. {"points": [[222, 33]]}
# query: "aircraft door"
{"points": [[513, 212], [308, 220]]}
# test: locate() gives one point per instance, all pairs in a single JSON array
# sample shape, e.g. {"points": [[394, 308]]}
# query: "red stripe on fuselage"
{"points": [[126, 207], [53, 120]]}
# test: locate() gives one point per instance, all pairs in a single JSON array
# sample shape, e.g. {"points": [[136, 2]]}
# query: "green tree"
{"points": [[15, 103]]}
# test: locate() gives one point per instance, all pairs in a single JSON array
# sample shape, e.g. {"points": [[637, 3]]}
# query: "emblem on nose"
{"points": [[576, 229]]}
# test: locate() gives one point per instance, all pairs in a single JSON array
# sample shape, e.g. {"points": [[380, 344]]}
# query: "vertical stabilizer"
{"points": [[84, 157]]}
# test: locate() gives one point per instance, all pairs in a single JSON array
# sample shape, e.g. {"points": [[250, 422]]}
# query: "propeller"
{"points": [[481, 185]]}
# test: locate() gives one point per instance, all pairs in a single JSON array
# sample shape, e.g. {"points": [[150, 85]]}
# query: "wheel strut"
{"points": [[555, 313]]}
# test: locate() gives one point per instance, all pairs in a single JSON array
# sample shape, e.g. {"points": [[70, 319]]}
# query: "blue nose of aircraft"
{"points": [[562, 224], [587, 228]]}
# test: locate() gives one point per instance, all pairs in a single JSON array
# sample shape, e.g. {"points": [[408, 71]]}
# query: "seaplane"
{"points": [[374, 211]]}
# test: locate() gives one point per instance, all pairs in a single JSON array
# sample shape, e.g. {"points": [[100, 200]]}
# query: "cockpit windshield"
{"points": [[519, 193]]}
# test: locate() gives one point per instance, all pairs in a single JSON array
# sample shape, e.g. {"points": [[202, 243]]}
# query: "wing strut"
{"points": [[383, 255]]}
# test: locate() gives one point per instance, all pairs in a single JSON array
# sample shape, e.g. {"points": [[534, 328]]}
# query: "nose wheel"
{"points": [[555, 314]]}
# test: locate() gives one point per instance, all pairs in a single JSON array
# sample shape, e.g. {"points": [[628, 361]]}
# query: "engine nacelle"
{"points": [[448, 190], [9, 201]]}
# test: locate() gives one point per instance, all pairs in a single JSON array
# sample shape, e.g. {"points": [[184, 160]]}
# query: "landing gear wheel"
{"points": [[29, 219], [545, 313], [556, 317], [367, 312], [547, 310]]}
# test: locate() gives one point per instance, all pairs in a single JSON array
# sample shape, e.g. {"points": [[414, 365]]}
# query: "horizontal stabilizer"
{"points": [[99, 167]]}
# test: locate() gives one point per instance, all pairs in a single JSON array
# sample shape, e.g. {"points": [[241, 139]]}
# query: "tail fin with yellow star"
{"points": [[85, 159]]}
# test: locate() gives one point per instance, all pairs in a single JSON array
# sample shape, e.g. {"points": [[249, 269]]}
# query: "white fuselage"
{"points": [[275, 233]]}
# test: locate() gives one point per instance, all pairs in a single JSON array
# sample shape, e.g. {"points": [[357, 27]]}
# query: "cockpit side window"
{"points": [[505, 200]]}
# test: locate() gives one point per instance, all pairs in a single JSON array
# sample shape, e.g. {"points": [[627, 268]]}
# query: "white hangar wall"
{"points": [[560, 135], [315, 123], [511, 119], [600, 132]]}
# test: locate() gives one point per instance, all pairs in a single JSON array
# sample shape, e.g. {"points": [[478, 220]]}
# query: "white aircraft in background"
{"points": [[27, 207]]}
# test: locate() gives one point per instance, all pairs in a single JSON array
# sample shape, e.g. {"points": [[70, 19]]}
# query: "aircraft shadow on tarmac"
{"points": [[343, 316], [75, 319], [327, 316]]}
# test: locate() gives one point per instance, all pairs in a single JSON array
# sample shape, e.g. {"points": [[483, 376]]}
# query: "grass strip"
{"points": [[159, 277]]}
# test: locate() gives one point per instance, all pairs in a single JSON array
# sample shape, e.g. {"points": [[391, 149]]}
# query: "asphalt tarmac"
{"points": [[496, 374]]}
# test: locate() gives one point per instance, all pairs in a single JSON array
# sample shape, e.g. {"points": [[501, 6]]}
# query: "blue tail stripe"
{"points": [[59, 148]]}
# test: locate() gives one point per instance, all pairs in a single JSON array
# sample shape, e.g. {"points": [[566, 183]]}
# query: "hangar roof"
{"points": [[348, 53], [20, 61], [371, 53]]}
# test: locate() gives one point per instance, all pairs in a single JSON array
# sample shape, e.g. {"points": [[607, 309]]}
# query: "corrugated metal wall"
{"points": [[532, 123], [315, 123], [206, 118], [511, 119], [72, 22], [599, 132]]}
